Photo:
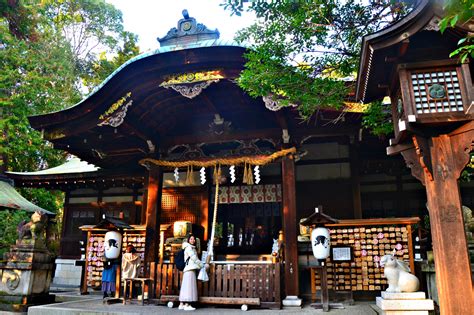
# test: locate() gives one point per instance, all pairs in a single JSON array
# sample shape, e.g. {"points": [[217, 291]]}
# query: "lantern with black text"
{"points": [[320, 237], [113, 244], [320, 242]]}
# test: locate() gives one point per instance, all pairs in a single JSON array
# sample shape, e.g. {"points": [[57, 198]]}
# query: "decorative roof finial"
{"points": [[185, 14], [188, 32]]}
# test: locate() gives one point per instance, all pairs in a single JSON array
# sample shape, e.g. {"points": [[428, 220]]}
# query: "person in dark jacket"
{"points": [[108, 278]]}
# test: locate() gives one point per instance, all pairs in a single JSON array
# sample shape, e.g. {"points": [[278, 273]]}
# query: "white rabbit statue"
{"points": [[398, 275]]}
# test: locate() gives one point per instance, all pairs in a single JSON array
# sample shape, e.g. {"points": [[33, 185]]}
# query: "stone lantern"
{"points": [[432, 106]]}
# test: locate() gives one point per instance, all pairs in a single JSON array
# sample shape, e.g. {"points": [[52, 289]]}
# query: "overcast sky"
{"points": [[150, 19]]}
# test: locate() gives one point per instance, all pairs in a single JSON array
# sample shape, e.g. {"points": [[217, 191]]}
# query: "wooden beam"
{"points": [[281, 119], [403, 47], [464, 128], [128, 130], [274, 133], [323, 161], [303, 134], [377, 221], [210, 105], [153, 213], [399, 148], [142, 132], [215, 300], [289, 226]]}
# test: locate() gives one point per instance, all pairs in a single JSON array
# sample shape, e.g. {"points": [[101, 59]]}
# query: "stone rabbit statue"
{"points": [[398, 275]]}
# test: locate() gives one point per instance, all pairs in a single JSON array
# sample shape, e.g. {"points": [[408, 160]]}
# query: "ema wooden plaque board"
{"points": [[367, 245]]}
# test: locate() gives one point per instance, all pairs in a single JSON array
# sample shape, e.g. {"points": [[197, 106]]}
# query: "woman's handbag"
{"points": [[203, 275]]}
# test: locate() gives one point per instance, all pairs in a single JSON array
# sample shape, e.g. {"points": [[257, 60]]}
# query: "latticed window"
{"points": [[178, 206], [437, 91]]}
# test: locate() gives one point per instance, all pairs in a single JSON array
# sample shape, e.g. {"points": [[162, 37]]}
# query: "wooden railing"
{"points": [[226, 280]]}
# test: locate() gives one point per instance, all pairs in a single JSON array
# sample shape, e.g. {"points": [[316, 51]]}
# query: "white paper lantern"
{"points": [[112, 244], [320, 242]]}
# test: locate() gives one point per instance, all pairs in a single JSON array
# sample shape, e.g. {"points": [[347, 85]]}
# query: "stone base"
{"points": [[18, 303], [404, 303], [403, 296], [26, 269], [292, 301], [380, 312], [67, 273], [24, 281]]}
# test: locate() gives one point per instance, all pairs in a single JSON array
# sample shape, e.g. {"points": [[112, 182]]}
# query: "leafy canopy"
{"points": [[301, 50], [460, 12], [50, 50]]}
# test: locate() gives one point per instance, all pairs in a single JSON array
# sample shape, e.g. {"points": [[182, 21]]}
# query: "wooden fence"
{"points": [[239, 280]]}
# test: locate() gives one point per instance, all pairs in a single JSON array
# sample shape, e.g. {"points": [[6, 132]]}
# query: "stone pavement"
{"points": [[92, 304]]}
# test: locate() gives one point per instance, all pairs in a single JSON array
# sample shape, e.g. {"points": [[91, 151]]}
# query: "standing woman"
{"points": [[189, 290]]}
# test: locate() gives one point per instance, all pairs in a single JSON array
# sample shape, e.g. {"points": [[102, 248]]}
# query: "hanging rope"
{"points": [[210, 247], [248, 162], [190, 176], [250, 174], [251, 160], [244, 179]]}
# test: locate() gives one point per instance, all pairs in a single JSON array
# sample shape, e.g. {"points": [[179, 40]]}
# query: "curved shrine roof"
{"points": [[10, 198], [180, 100]]}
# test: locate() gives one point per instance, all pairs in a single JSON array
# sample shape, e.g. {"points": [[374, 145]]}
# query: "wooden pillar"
{"points": [[153, 213], [437, 162], [144, 203], [401, 204], [453, 269], [65, 224], [355, 181], [136, 208], [289, 226]]}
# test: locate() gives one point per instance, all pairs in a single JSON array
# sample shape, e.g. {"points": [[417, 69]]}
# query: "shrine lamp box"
{"points": [[432, 93]]}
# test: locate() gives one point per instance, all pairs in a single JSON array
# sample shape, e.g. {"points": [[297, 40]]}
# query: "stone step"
{"points": [[404, 295], [380, 312], [404, 305]]}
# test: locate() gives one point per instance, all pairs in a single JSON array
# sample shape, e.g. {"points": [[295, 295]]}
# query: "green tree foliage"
{"points": [[378, 119], [302, 49], [36, 77], [86, 24], [48, 49], [104, 65], [460, 12], [9, 220], [468, 173]]}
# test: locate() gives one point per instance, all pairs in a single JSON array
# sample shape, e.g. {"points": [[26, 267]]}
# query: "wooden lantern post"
{"points": [[432, 106], [111, 224], [319, 219]]}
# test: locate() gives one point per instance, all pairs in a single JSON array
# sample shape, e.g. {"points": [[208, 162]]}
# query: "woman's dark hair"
{"points": [[131, 249], [189, 236]]}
